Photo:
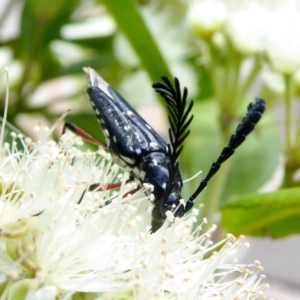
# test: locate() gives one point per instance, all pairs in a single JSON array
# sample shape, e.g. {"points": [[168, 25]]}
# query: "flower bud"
{"points": [[206, 17], [283, 45], [248, 28]]}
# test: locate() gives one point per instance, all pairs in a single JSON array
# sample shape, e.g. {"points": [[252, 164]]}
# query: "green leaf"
{"points": [[39, 27], [132, 25], [276, 214]]}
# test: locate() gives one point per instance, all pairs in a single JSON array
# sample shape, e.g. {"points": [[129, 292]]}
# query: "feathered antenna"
{"points": [[179, 117]]}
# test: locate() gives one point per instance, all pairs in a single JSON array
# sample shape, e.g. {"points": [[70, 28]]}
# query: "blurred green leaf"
{"points": [[97, 62], [100, 45], [205, 82], [276, 214], [40, 24], [130, 22]]}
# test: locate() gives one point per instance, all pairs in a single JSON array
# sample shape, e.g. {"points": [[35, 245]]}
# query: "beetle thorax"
{"points": [[155, 169]]}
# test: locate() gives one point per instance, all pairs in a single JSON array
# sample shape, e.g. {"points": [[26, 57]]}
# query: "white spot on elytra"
{"points": [[127, 127], [154, 145], [129, 113]]}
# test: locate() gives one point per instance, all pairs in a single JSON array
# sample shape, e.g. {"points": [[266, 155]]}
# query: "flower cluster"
{"points": [[60, 241], [252, 47], [253, 27]]}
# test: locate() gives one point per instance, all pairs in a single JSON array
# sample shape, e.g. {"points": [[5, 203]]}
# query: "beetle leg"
{"points": [[100, 187], [125, 195], [83, 134], [130, 192]]}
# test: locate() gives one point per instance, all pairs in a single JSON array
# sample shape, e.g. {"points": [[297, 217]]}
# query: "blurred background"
{"points": [[225, 52]]}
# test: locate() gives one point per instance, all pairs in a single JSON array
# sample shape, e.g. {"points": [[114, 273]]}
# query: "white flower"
{"points": [[283, 46], [89, 247], [274, 81], [57, 239], [248, 27], [206, 17]]}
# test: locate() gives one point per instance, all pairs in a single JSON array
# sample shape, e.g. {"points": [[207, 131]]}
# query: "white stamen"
{"points": [[193, 177]]}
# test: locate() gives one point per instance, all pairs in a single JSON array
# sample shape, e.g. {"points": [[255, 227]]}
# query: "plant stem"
{"points": [[216, 70], [288, 115], [233, 65], [241, 94], [297, 139], [291, 165]]}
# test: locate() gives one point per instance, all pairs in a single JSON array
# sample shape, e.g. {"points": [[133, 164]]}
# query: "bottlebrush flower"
{"points": [[58, 243]]}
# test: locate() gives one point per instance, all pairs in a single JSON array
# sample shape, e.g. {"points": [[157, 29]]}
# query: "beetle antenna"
{"points": [[179, 119], [255, 111], [179, 113]]}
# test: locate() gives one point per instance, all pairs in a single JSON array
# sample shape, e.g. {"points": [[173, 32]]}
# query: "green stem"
{"points": [[297, 140], [291, 165], [288, 114], [232, 81], [216, 71], [241, 94]]}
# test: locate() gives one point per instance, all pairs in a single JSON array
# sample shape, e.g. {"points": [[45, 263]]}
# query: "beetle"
{"points": [[137, 148]]}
